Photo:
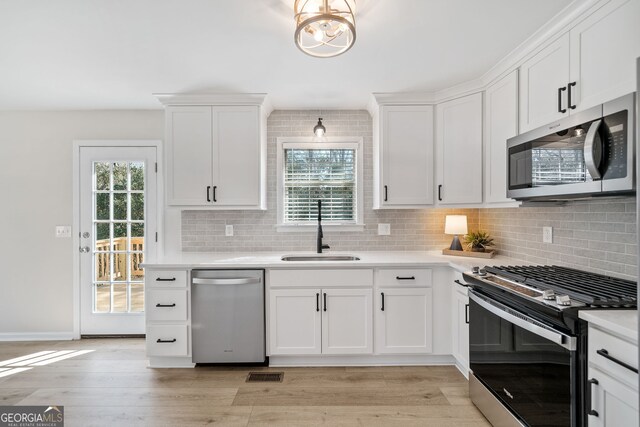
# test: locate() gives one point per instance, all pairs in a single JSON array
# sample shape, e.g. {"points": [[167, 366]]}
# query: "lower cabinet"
{"points": [[460, 325], [320, 321], [613, 403], [404, 321]]}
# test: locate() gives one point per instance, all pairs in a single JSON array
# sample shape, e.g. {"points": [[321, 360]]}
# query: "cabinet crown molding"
{"points": [[259, 99]]}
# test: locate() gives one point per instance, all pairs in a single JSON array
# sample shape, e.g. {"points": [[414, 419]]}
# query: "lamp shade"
{"points": [[455, 224]]}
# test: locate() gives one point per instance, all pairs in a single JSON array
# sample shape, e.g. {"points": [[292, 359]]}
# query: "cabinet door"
{"points": [[188, 154], [460, 150], [347, 321], [404, 320], [604, 48], [501, 123], [236, 156], [460, 345], [407, 156], [541, 77], [294, 321], [615, 403]]}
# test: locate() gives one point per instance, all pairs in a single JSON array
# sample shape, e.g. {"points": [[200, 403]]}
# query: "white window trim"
{"points": [[334, 142]]}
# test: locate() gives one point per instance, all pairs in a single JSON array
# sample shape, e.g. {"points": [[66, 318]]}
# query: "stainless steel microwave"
{"points": [[591, 153]]}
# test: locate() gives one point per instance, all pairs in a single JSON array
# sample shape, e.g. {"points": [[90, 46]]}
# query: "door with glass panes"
{"points": [[117, 233]]}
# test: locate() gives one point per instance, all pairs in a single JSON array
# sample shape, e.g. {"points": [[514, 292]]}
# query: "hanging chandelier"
{"points": [[325, 28]]}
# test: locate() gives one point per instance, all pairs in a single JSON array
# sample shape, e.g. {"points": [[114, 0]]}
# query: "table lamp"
{"points": [[456, 225]]}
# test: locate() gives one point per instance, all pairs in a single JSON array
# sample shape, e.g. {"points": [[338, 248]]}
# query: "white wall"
{"points": [[35, 196]]}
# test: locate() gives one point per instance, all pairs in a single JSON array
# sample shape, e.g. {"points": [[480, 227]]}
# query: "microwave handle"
{"points": [[593, 150]]}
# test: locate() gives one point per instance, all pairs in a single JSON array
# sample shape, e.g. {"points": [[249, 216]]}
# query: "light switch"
{"points": [[63, 231], [547, 234], [384, 229], [228, 230]]}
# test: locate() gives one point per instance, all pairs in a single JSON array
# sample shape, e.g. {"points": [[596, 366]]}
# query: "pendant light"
{"points": [[319, 129], [325, 28]]}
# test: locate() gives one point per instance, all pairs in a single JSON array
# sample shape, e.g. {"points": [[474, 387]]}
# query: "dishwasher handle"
{"points": [[228, 281]]}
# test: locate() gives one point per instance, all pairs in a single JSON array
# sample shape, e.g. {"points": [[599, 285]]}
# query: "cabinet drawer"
{"points": [[166, 278], [167, 340], [321, 278], [166, 304], [617, 348], [405, 277]]}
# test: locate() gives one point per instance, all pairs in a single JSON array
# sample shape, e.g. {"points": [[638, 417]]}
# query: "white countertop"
{"points": [[620, 322], [189, 260]]}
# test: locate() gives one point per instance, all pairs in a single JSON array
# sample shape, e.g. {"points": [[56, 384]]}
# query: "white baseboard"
{"points": [[363, 360], [36, 336]]}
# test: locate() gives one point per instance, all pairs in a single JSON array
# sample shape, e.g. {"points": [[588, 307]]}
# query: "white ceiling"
{"points": [[95, 54]]}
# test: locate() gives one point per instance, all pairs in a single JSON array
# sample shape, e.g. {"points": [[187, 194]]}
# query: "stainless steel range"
{"points": [[527, 346]]}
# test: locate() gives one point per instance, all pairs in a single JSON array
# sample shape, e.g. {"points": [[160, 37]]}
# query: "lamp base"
{"points": [[455, 244]]}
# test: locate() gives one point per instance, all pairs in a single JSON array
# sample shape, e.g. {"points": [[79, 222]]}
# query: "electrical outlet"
{"points": [[63, 231], [384, 229], [547, 234], [228, 230]]}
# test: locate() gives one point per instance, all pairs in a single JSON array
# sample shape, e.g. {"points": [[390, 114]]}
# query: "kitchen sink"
{"points": [[320, 258]]}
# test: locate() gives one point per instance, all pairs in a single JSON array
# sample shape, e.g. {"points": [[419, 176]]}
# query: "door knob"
{"points": [[84, 249], [85, 234]]}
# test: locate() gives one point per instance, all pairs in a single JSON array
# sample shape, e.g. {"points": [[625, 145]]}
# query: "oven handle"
{"points": [[593, 144], [525, 322]]}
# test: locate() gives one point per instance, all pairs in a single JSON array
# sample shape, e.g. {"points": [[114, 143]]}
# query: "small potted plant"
{"points": [[478, 241]]}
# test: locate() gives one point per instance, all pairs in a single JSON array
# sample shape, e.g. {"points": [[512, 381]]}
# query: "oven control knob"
{"points": [[474, 270], [482, 272], [548, 294], [563, 300]]}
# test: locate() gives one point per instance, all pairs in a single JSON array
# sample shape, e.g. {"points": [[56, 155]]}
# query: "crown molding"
{"points": [[259, 99]]}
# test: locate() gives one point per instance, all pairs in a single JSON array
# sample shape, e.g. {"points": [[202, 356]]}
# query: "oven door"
{"points": [[528, 366]]}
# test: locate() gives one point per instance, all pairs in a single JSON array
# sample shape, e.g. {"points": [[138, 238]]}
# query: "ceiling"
{"points": [[114, 54]]}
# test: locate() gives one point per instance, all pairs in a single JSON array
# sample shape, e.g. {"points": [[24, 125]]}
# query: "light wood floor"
{"points": [[113, 387]]}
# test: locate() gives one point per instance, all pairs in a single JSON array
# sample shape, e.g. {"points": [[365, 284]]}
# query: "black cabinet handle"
{"points": [[560, 109], [317, 302], [215, 187], [325, 301], [160, 279], [208, 190], [440, 192], [161, 341], [382, 294], [166, 305], [604, 353], [466, 314], [461, 284], [406, 278], [385, 193], [592, 411], [572, 84]]}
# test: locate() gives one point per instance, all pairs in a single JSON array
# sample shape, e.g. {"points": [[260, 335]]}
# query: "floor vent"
{"points": [[265, 377]]}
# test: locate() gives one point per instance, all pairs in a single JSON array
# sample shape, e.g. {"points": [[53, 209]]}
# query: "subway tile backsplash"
{"points": [[597, 235]]}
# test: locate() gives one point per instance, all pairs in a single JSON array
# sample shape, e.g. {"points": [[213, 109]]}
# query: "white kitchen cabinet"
{"points": [[403, 156], [500, 124], [592, 63], [404, 321], [295, 321], [459, 151], [614, 403], [215, 156], [347, 321], [460, 325]]}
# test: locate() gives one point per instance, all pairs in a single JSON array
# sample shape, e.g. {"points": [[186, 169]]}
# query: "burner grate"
{"points": [[589, 288]]}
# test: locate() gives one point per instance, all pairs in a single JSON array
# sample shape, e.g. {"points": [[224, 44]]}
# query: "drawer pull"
{"points": [[461, 284], [604, 353], [161, 341], [166, 305], [160, 279], [406, 278]]}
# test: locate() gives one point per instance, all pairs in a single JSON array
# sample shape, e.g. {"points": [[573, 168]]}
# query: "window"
{"points": [[309, 171]]}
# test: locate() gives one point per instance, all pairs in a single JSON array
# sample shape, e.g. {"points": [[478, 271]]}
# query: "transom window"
{"points": [[329, 171]]}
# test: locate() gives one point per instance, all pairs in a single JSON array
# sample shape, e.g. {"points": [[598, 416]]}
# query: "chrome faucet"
{"points": [[319, 244]]}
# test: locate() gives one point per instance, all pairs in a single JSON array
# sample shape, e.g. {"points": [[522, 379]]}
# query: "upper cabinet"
{"points": [[403, 156], [500, 124], [592, 63], [215, 156], [459, 150]]}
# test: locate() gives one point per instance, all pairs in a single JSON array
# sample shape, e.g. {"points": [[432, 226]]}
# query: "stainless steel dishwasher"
{"points": [[228, 316]]}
